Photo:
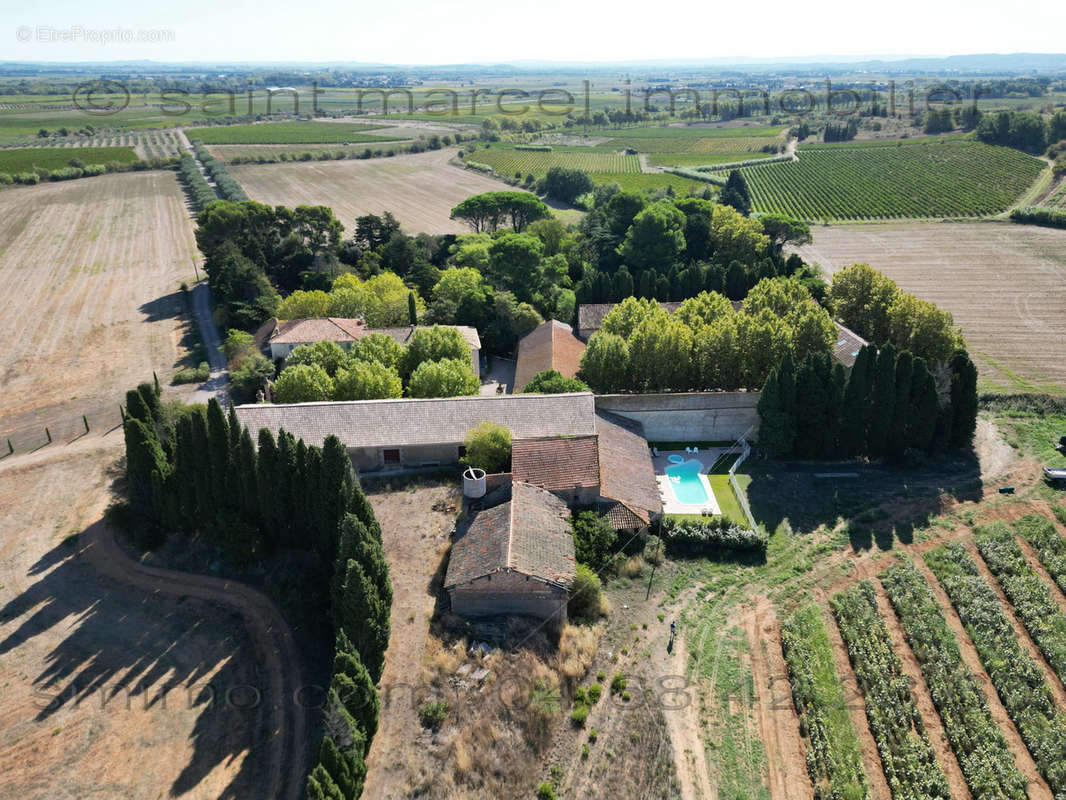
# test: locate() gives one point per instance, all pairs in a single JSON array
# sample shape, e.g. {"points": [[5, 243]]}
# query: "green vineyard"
{"points": [[952, 179], [508, 161]]}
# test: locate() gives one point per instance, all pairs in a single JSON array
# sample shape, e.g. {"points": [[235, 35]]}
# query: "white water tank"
{"points": [[474, 483]]}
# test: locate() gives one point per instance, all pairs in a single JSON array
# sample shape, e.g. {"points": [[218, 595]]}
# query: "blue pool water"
{"points": [[685, 482]]}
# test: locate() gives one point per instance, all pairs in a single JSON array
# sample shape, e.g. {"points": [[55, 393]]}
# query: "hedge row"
{"points": [[227, 184], [1039, 215], [707, 536]]}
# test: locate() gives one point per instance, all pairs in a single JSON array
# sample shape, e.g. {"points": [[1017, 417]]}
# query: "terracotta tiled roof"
{"points": [[407, 422], [318, 329], [847, 345], [626, 472], [530, 534], [557, 463], [551, 345], [622, 518]]}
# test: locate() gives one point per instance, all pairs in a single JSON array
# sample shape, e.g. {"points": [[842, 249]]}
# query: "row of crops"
{"points": [[153, 143], [981, 750], [834, 757], [1029, 595], [953, 179], [910, 766], [1015, 675]]}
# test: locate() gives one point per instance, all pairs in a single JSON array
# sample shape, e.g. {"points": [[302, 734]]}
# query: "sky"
{"points": [[477, 31]]}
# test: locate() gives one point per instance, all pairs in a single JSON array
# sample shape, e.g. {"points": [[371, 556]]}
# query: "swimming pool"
{"points": [[685, 483]]}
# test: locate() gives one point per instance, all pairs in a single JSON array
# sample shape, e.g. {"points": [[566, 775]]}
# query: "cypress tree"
{"points": [[736, 281], [924, 408], [247, 478], [834, 405], [316, 537], [622, 285], [144, 456], [855, 414], [354, 686], [137, 408], [647, 284], [205, 508], [347, 769], [883, 397], [218, 457], [776, 426], [360, 506], [266, 475], [320, 786], [150, 396], [412, 309], [285, 479], [787, 384], [185, 472], [963, 400], [364, 618], [812, 405], [335, 490], [896, 442]]}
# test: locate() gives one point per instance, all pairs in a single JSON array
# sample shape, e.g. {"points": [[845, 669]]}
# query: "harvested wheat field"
{"points": [[1005, 285], [420, 190], [91, 271]]}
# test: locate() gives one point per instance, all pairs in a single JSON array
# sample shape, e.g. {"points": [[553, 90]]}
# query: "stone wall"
{"points": [[509, 593], [688, 417]]}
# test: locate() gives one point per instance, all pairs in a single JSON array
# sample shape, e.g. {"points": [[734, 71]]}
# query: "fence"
{"points": [[58, 432]]}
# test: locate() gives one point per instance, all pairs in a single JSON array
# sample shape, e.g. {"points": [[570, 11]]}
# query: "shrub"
{"points": [[545, 792], [433, 713], [711, 535], [593, 735], [198, 375], [595, 691], [585, 596], [618, 683], [594, 538], [488, 447], [579, 715]]}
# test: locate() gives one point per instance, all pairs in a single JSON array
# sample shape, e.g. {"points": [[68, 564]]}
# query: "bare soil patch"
{"points": [[91, 271], [420, 190], [1005, 284]]}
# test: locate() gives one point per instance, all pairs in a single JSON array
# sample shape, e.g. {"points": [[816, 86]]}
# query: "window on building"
{"points": [[391, 456], [462, 451]]}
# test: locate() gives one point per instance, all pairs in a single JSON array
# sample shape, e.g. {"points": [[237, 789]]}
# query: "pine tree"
{"points": [[963, 400], [883, 400], [855, 415]]}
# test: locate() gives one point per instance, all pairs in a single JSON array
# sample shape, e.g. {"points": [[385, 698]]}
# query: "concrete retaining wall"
{"points": [[688, 417]]}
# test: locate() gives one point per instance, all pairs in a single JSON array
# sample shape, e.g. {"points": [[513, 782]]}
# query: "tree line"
{"points": [[892, 405], [198, 472], [705, 344], [1023, 130]]}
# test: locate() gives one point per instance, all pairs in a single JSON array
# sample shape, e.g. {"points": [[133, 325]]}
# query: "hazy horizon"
{"points": [[465, 32]]}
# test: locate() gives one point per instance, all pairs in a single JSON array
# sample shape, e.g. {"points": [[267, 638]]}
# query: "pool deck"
{"points": [[671, 505]]}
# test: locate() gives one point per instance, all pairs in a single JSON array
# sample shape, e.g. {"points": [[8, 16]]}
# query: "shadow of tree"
{"points": [[880, 503], [126, 649]]}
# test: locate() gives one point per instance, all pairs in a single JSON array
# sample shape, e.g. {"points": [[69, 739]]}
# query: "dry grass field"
{"points": [[420, 190], [104, 669], [91, 271], [1005, 285]]}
